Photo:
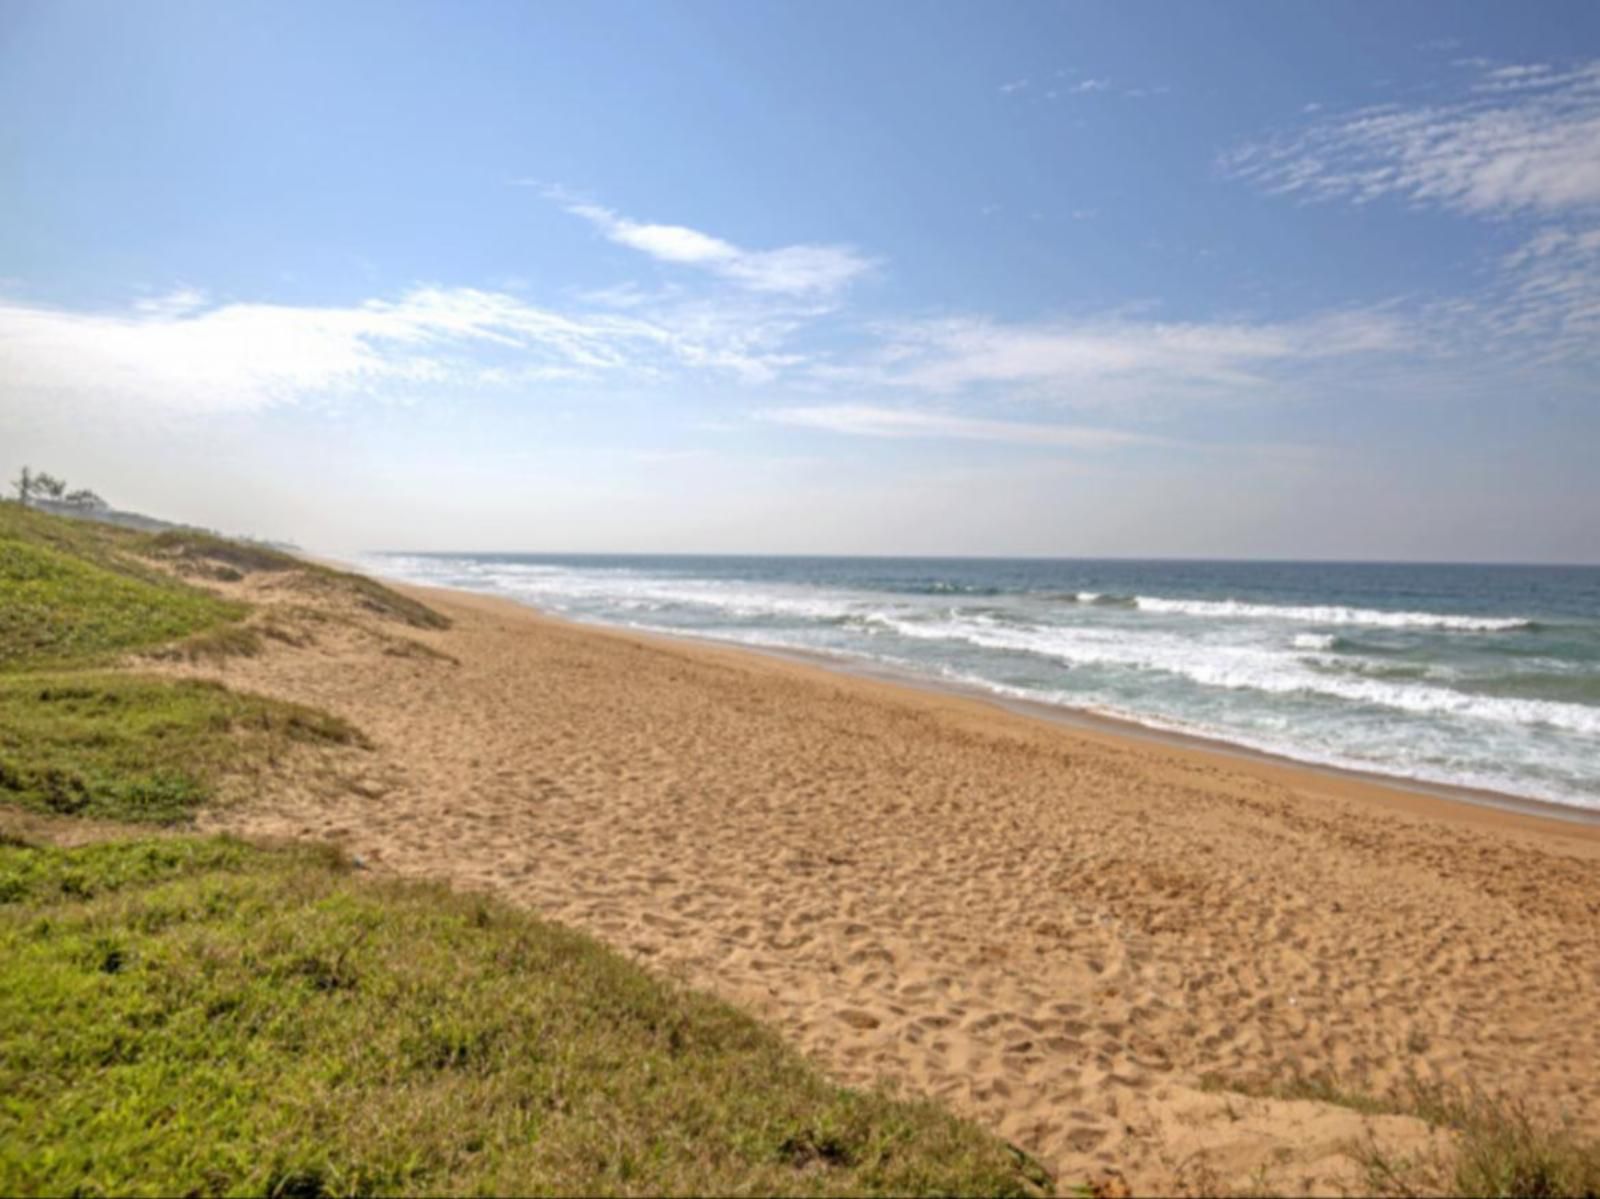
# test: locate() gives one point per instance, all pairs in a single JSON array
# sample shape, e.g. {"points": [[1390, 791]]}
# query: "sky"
{"points": [[1312, 280]]}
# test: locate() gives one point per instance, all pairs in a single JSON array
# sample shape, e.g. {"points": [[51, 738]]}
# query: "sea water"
{"points": [[1478, 676]]}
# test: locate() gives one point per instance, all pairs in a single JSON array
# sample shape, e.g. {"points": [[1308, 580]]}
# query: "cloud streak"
{"points": [[1548, 296], [864, 420], [177, 354], [1524, 139], [798, 270], [1087, 363]]}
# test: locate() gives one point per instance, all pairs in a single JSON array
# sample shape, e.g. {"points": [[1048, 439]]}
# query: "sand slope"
{"points": [[1059, 933]]}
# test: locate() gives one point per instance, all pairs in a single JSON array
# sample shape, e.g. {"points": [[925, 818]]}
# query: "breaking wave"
{"points": [[1243, 668], [1330, 614]]}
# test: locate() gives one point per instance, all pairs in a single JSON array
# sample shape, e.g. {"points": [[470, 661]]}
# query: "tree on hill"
{"points": [[84, 498], [31, 486], [48, 486]]}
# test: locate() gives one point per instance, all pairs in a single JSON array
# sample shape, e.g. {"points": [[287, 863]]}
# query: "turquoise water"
{"points": [[1477, 676]]}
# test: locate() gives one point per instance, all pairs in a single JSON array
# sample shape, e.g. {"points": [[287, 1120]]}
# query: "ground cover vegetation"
{"points": [[223, 1018]]}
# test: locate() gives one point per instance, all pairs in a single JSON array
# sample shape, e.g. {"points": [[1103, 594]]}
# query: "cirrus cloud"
{"points": [[178, 353], [1523, 138], [1100, 361]]}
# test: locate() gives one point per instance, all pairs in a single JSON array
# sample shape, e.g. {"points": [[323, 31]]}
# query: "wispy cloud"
{"points": [[861, 420], [1107, 361], [1518, 77], [1016, 85], [1524, 138], [669, 243], [175, 353], [1089, 85], [1521, 142], [798, 270], [1547, 300]]}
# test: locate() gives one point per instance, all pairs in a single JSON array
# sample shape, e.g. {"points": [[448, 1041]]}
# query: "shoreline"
{"points": [[1087, 720], [1420, 795]]}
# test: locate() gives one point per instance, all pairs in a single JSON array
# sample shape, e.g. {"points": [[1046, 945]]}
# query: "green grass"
{"points": [[78, 593], [1507, 1152], [110, 547], [119, 747], [132, 748], [116, 746], [57, 609], [1501, 1149], [193, 1016]]}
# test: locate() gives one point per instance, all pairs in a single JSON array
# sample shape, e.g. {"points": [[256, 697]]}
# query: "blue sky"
{"points": [[1305, 280]]}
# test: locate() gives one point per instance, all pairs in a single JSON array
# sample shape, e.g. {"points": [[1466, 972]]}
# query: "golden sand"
{"points": [[1070, 936]]}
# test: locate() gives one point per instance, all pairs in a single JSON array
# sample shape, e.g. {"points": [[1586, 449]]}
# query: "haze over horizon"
{"points": [[1241, 280]]}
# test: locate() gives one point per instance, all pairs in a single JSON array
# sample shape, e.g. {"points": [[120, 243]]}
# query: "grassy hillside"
{"points": [[198, 1017], [59, 607], [114, 745], [79, 593], [102, 545], [131, 748]]}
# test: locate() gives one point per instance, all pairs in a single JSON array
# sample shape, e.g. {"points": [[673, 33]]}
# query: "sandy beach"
{"points": [[1091, 943]]}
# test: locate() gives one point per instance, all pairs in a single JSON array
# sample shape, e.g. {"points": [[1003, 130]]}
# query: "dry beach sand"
{"points": [[1071, 936]]}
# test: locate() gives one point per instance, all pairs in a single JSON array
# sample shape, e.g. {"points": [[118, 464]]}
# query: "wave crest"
{"points": [[1246, 669], [1331, 614], [1321, 641]]}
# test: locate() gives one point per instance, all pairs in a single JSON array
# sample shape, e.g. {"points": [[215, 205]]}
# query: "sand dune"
{"points": [[1069, 936]]}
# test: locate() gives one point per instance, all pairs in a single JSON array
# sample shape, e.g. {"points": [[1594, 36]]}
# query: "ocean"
{"points": [[1485, 677]]}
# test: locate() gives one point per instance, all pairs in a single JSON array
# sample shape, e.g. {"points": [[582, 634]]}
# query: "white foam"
{"points": [[1329, 614], [1236, 667], [1314, 640], [643, 591], [1375, 758]]}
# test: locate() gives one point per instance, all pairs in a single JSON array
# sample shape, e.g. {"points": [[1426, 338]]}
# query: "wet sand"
{"points": [[1073, 936]]}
